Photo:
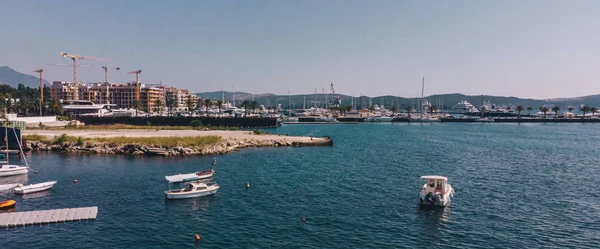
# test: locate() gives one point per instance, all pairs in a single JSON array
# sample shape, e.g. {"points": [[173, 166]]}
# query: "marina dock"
{"points": [[16, 219]]}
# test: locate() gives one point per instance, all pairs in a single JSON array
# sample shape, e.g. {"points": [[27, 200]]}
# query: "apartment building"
{"points": [[121, 95], [181, 97]]}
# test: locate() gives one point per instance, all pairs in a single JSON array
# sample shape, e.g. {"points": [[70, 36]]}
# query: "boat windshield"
{"points": [[189, 188]]}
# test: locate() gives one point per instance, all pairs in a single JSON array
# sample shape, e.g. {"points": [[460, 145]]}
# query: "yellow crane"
{"points": [[74, 58]]}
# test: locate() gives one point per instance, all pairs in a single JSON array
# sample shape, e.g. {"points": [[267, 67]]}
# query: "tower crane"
{"points": [[74, 58], [337, 100], [106, 71], [137, 83], [40, 71]]}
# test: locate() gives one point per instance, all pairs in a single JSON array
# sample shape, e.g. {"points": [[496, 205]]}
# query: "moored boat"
{"points": [[435, 191], [11, 170], [4, 187], [192, 190], [7, 204], [32, 188], [200, 175]]}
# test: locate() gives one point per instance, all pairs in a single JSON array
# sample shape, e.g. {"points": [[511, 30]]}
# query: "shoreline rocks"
{"points": [[223, 147]]}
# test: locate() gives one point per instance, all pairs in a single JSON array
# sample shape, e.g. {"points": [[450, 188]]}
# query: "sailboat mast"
{"points": [[6, 133], [422, 94]]}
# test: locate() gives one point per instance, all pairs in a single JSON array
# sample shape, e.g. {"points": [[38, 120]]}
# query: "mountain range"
{"points": [[445, 101], [11, 77]]}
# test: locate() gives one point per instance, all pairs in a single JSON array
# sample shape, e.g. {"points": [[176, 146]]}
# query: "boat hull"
{"points": [[7, 204], [190, 177], [34, 188], [12, 170], [182, 195]]}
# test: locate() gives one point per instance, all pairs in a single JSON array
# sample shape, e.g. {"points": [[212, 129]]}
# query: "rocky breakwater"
{"points": [[224, 146]]}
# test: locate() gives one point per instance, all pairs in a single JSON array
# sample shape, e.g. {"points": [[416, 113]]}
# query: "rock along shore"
{"points": [[230, 141]]}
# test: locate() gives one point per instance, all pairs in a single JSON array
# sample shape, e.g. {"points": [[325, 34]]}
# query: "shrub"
{"points": [[148, 123], [258, 132], [196, 123]]}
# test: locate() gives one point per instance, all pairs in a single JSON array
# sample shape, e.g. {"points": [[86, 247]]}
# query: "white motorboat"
{"points": [[484, 120], [436, 191], [200, 175], [192, 190], [32, 188], [11, 170]]}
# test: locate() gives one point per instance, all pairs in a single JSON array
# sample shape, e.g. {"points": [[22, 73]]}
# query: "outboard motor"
{"points": [[430, 198]]}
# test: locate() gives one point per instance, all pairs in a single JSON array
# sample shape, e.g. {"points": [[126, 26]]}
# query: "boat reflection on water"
{"points": [[9, 210], [37, 195], [14, 179], [434, 214], [192, 204]]}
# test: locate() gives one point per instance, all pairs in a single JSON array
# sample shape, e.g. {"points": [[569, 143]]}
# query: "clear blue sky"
{"points": [[538, 49]]}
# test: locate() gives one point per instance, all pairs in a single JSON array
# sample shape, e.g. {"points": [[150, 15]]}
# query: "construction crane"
{"points": [[137, 83], [74, 58], [40, 71], [337, 100], [106, 71]]}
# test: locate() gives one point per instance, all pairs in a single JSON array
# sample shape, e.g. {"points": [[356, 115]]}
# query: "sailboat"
{"points": [[7, 169], [424, 117]]}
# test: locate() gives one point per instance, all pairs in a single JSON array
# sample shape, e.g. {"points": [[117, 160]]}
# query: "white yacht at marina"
{"points": [[464, 107]]}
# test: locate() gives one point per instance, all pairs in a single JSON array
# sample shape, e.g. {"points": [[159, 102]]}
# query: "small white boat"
{"points": [[200, 175], [4, 187], [192, 190], [32, 188], [436, 191], [484, 120], [12, 170]]}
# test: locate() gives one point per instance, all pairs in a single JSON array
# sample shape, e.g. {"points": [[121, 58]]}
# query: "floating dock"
{"points": [[16, 219]]}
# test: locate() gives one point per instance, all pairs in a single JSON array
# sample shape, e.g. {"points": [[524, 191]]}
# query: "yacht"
{"points": [[464, 107]]}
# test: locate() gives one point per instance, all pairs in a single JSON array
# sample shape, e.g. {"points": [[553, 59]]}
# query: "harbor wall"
{"points": [[546, 120], [183, 121]]}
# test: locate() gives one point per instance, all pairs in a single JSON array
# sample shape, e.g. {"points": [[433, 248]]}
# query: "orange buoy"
{"points": [[75, 181], [197, 237]]}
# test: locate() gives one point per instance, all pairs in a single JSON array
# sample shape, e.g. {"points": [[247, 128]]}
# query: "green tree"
{"points": [[394, 109], [189, 104], [171, 105], [520, 109], [529, 109], [136, 105], [246, 105], [585, 109], [207, 104], [158, 105], [409, 110], [55, 107], [593, 110], [570, 109], [544, 110], [220, 105], [555, 109], [254, 105]]}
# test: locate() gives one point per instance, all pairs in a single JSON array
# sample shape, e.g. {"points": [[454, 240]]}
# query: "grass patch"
{"points": [[148, 126], [193, 142]]}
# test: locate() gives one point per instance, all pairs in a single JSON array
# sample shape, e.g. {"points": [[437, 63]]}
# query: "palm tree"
{"points": [[254, 105], [520, 108], [394, 109], [207, 104], [570, 109], [158, 105], [55, 107], [529, 109], [544, 110], [593, 110], [482, 110], [409, 109], [371, 108], [584, 109], [246, 104], [220, 105], [137, 105], [189, 104], [555, 109], [431, 108], [171, 104]]}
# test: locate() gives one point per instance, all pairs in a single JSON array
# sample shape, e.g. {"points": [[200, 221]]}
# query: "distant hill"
{"points": [[9, 76], [446, 101]]}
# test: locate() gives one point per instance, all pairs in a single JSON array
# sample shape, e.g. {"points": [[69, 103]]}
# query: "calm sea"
{"points": [[517, 186]]}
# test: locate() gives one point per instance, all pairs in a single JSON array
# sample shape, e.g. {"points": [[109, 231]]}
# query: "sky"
{"points": [[525, 48]]}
